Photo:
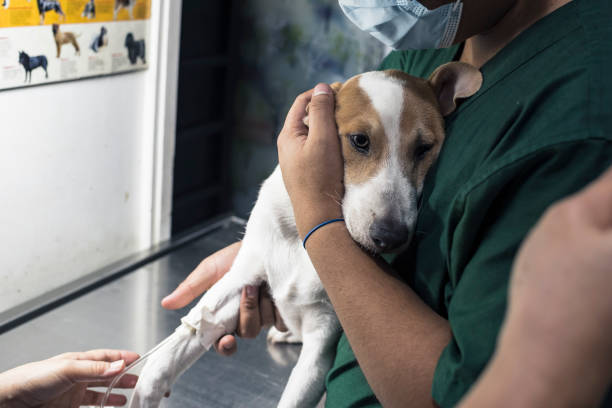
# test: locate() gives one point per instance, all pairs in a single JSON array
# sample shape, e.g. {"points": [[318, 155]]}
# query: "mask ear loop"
{"points": [[456, 5]]}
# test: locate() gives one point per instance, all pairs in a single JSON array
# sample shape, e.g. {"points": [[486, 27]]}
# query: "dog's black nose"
{"points": [[388, 235]]}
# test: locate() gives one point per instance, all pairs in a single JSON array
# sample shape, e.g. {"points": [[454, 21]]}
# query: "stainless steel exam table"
{"points": [[119, 307]]}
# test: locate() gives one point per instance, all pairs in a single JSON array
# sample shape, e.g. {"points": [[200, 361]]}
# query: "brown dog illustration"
{"points": [[62, 38]]}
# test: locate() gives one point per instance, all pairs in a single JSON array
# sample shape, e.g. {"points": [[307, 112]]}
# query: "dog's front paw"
{"points": [[163, 367], [150, 398], [278, 337]]}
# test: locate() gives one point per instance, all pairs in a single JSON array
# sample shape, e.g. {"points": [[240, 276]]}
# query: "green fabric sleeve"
{"points": [[487, 224]]}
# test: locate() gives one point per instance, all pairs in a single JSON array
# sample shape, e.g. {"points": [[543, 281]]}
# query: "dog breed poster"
{"points": [[46, 41]]}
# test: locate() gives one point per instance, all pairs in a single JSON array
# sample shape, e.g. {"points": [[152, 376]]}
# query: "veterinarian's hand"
{"points": [[311, 160], [63, 381], [559, 321], [256, 307]]}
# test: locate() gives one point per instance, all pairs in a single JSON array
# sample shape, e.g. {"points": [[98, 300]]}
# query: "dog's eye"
{"points": [[360, 142], [421, 150]]}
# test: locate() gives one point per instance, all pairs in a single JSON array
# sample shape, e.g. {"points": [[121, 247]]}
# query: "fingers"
{"points": [[126, 382], [226, 346], [321, 113], [88, 371], [209, 271], [266, 307], [101, 355], [268, 311], [294, 123], [278, 321], [93, 398], [257, 310], [249, 324]]}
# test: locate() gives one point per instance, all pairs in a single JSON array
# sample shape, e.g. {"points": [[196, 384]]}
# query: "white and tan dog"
{"points": [[391, 129]]}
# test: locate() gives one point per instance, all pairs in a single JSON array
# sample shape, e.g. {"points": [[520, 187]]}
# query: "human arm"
{"points": [[556, 342], [63, 380], [396, 338]]}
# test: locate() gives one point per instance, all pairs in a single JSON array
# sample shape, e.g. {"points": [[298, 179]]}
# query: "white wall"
{"points": [[85, 169]]}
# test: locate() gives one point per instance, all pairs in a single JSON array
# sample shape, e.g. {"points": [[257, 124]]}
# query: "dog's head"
{"points": [[55, 28], [22, 56], [103, 31], [391, 129]]}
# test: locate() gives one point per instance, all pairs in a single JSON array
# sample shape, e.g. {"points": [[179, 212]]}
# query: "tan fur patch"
{"points": [[420, 124]]}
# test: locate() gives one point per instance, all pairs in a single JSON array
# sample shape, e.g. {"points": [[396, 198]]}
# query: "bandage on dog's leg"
{"points": [[215, 315]]}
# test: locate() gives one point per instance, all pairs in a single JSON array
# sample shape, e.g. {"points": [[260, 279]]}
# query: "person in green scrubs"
{"points": [[538, 130]]}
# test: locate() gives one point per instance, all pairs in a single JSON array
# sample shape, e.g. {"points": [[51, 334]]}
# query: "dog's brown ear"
{"points": [[453, 81], [335, 88]]}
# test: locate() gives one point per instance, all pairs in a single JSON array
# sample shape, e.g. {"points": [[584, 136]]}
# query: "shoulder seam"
{"points": [[520, 156]]}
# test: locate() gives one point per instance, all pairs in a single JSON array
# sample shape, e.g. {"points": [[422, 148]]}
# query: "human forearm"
{"points": [[380, 315], [531, 374]]}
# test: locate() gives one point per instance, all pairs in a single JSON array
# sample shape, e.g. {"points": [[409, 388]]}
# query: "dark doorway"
{"points": [[201, 165]]}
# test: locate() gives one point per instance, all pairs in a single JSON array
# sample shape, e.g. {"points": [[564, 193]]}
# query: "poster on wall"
{"points": [[45, 41]]}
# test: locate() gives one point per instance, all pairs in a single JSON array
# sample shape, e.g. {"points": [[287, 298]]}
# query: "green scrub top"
{"points": [[538, 130]]}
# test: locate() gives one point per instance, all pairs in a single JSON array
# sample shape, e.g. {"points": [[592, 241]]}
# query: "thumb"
{"points": [[86, 370], [321, 113]]}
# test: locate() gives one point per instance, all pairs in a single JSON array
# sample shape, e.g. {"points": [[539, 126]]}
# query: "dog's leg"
{"points": [[215, 315], [307, 381], [59, 48]]}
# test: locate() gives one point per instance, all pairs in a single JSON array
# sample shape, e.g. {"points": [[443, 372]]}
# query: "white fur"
{"points": [[272, 251], [390, 192]]}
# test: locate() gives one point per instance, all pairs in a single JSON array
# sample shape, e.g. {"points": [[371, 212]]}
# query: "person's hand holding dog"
{"points": [[63, 381], [256, 307], [310, 159]]}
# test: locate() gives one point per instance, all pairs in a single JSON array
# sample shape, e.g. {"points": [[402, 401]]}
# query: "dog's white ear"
{"points": [[335, 88], [453, 81]]}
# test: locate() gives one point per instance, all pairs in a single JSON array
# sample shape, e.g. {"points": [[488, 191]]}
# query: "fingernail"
{"points": [[321, 89], [251, 291], [115, 367]]}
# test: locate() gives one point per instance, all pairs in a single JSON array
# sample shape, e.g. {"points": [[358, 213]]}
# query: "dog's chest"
{"points": [[294, 283]]}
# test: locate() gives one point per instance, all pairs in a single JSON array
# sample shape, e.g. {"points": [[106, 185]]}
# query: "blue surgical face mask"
{"points": [[405, 24]]}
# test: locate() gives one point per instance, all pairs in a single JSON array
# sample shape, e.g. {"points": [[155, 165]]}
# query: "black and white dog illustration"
{"points": [[126, 4], [100, 40], [136, 49], [31, 63], [90, 10], [49, 5]]}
